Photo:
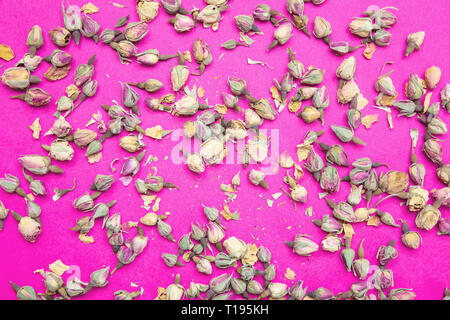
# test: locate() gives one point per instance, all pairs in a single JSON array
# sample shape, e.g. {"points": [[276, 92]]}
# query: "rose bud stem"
{"points": [[219, 246], [95, 195], [289, 195], [330, 203], [118, 266], [164, 57], [272, 45], [401, 195]]}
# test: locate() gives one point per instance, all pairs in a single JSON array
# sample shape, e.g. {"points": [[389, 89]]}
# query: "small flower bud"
{"points": [[60, 36], [414, 41]]}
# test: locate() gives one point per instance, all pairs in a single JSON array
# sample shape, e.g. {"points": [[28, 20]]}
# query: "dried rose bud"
{"points": [[215, 233], [331, 243], [295, 67], [179, 76], [445, 97], [387, 253], [90, 28], [361, 27], [83, 73], [84, 203], [383, 279], [60, 150], [38, 164], [165, 230], [131, 143], [299, 194], [302, 246], [246, 23], [262, 12], [314, 162], [432, 77], [444, 226], [237, 86], [254, 287], [147, 10], [194, 161], [93, 148], [385, 85], [264, 109], [256, 177], [202, 54], [9, 183], [295, 7], [35, 39], [442, 196], [436, 126], [18, 78], [417, 198], [175, 291], [433, 150], [321, 99], [139, 242], [414, 87], [360, 266], [60, 36], [210, 15], [383, 18], [417, 173], [347, 90], [402, 294], [239, 286], [72, 21], [328, 224], [102, 182], [83, 137], [277, 290], [186, 106], [35, 97], [428, 217], [346, 69], [3, 214], [125, 49], [135, 31], [112, 224], [382, 38], [341, 48], [329, 179], [322, 29], [182, 23], [220, 284], [171, 6], [281, 35], [29, 228], [411, 239], [108, 35], [414, 42], [394, 182], [25, 292], [99, 278]]}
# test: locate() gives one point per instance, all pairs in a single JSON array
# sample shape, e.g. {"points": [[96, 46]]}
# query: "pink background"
{"points": [[425, 270]]}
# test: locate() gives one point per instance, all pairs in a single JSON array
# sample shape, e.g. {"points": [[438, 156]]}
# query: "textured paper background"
{"points": [[424, 270]]}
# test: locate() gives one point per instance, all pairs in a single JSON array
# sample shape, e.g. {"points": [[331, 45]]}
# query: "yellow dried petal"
{"points": [[290, 274], [155, 132], [36, 128], [387, 101], [6, 52], [426, 102], [168, 98], [118, 5], [294, 106], [148, 199], [187, 56], [368, 120], [221, 108], [200, 92], [348, 230], [162, 295], [275, 93], [226, 213], [374, 221], [370, 50], [215, 26], [155, 207], [250, 256], [85, 238], [389, 117], [303, 151], [96, 157], [89, 8], [58, 267], [133, 224], [150, 219], [186, 256]]}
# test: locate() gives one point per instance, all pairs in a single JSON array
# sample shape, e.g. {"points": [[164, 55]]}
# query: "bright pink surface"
{"points": [[425, 270]]}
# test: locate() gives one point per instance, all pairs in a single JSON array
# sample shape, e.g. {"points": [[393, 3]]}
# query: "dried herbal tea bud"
{"points": [[331, 243], [414, 87], [433, 150], [210, 15], [28, 227], [182, 23], [256, 177], [135, 31], [387, 253], [383, 278], [72, 21], [322, 29], [341, 48], [361, 27], [90, 28], [328, 224], [346, 69], [19, 78], [264, 109], [302, 246], [202, 54], [348, 254], [60, 36], [428, 217], [246, 23], [281, 35], [312, 76], [35, 39], [38, 164], [410, 239], [414, 42], [346, 135], [25, 292], [147, 10]]}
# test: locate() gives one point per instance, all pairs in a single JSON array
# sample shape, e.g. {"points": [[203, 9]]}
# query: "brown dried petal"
{"points": [[53, 74]]}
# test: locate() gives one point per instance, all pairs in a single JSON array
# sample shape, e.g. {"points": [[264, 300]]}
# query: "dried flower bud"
{"points": [[84, 203], [328, 224], [254, 287], [428, 217], [302, 246], [382, 38], [209, 15], [165, 230], [262, 12], [213, 151], [83, 137], [131, 143], [147, 10], [329, 179], [433, 150], [383, 279], [417, 198], [442, 196], [93, 148], [361, 27], [256, 177], [445, 97], [277, 290], [18, 78], [347, 254], [295, 7], [281, 35], [387, 253], [432, 77], [220, 284], [29, 228], [414, 41], [246, 23], [312, 76], [135, 31], [182, 23], [394, 182], [83, 73], [347, 90], [236, 248], [30, 63], [25, 292], [436, 127], [264, 109], [341, 48], [179, 76], [411, 239], [35, 39], [331, 243], [125, 49], [60, 36], [344, 211], [346, 69], [417, 173], [322, 29], [414, 87], [444, 227], [296, 291], [99, 278], [38, 164], [90, 28]]}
